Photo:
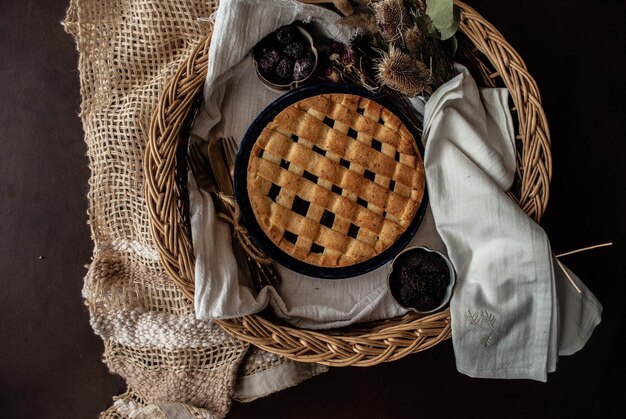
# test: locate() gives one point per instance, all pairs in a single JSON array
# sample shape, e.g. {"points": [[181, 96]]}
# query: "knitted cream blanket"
{"points": [[174, 365]]}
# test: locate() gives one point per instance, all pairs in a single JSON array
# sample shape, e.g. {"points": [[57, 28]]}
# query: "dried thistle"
{"points": [[392, 49], [414, 39], [393, 18], [404, 73], [366, 50]]}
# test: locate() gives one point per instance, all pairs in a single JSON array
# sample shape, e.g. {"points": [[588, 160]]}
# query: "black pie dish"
{"points": [[247, 214]]}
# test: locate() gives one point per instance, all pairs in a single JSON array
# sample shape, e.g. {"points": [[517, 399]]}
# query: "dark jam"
{"points": [[419, 279]]}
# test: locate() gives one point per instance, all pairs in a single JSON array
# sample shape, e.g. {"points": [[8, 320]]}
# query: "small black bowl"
{"points": [[249, 219], [393, 281]]}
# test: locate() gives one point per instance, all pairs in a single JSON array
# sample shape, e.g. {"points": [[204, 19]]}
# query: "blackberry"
{"points": [[286, 34], [284, 68], [268, 59], [302, 68], [294, 50]]}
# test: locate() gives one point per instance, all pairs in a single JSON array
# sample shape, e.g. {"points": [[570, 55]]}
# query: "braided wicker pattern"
{"points": [[493, 61]]}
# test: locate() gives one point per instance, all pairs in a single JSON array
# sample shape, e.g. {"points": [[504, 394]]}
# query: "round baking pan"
{"points": [[249, 219]]}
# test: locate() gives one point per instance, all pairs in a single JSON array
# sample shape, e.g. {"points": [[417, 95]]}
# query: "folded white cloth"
{"points": [[506, 319]]}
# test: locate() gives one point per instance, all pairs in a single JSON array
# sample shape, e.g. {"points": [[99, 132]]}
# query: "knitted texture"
{"points": [[128, 50]]}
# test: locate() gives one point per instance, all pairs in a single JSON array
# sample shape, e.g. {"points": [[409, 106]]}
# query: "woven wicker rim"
{"points": [[492, 61]]}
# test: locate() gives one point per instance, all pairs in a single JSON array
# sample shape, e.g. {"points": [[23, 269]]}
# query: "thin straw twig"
{"points": [[571, 280], [584, 249]]}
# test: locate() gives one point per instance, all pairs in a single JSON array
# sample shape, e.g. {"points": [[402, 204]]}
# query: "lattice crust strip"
{"points": [[335, 179]]}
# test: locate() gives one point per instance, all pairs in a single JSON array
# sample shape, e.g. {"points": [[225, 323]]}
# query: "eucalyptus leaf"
{"points": [[444, 17], [440, 12]]}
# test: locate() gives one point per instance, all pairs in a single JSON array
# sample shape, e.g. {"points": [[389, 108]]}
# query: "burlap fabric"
{"points": [[128, 49]]}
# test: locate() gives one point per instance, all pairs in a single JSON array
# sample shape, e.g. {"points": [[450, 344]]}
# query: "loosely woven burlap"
{"points": [[128, 49]]}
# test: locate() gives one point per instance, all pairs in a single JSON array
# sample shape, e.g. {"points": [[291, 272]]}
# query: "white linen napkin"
{"points": [[506, 319]]}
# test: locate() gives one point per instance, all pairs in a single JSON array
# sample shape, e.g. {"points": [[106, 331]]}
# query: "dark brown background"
{"points": [[50, 363]]}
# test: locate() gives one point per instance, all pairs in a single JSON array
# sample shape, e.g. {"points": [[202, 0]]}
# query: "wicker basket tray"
{"points": [[491, 60]]}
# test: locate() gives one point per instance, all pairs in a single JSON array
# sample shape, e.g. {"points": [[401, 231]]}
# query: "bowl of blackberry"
{"points": [[286, 58]]}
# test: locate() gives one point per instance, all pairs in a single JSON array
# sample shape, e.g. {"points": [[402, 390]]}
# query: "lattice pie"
{"points": [[335, 179]]}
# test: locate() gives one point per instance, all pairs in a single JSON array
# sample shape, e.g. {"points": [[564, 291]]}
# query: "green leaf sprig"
{"points": [[444, 18]]}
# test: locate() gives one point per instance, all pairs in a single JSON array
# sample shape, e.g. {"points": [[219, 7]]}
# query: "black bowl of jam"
{"points": [[421, 279]]}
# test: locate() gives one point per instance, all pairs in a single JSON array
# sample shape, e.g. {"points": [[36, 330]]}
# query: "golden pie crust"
{"points": [[335, 179]]}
